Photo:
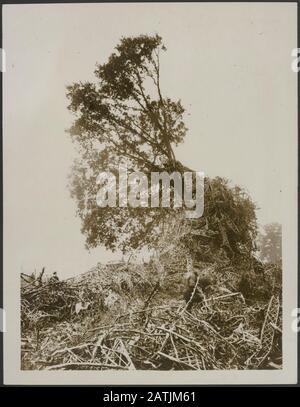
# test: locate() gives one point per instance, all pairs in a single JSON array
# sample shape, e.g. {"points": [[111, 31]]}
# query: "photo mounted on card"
{"points": [[150, 193]]}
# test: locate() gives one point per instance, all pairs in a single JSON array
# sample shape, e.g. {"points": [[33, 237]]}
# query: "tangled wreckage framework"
{"points": [[133, 316], [73, 325], [146, 316]]}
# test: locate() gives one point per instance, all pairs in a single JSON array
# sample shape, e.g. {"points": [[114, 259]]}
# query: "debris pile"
{"points": [[125, 316]]}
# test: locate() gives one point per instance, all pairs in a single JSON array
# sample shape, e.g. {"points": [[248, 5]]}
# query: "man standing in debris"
{"points": [[195, 285], [54, 278]]}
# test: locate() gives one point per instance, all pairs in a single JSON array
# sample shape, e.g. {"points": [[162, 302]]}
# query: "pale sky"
{"points": [[228, 63]]}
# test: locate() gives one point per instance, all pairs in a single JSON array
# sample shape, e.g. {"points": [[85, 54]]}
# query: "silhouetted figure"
{"points": [[54, 278], [191, 280]]}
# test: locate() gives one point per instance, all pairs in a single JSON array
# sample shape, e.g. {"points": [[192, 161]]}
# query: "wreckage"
{"points": [[203, 301], [134, 316]]}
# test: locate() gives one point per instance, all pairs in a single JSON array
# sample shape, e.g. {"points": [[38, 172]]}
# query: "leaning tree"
{"points": [[124, 114]]}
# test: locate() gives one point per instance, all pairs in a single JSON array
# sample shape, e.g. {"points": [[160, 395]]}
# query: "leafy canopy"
{"points": [[123, 114]]}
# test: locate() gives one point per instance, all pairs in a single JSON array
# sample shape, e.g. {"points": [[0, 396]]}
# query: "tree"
{"points": [[125, 115], [270, 242]]}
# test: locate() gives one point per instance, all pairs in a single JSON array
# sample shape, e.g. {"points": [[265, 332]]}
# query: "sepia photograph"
{"points": [[150, 193]]}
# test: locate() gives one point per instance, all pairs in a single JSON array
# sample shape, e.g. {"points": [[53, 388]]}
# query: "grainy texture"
{"points": [[126, 316]]}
